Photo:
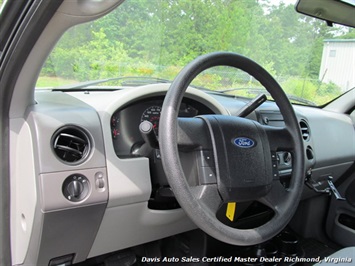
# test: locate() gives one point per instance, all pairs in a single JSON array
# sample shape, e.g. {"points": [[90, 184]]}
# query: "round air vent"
{"points": [[71, 144], [305, 130]]}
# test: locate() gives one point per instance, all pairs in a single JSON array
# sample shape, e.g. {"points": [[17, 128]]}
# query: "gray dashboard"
{"points": [[117, 188]]}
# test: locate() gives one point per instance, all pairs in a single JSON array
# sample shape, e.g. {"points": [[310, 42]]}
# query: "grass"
{"points": [[50, 82], [308, 89]]}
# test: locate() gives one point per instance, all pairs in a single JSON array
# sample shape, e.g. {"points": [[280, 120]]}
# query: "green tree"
{"points": [[144, 37]]}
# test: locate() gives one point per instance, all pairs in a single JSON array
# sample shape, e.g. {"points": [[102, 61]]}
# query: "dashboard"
{"points": [[109, 188]]}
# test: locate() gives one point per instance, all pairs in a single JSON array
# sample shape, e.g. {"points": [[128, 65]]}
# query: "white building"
{"points": [[338, 63]]}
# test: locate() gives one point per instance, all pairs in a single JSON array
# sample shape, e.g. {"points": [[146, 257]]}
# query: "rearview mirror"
{"points": [[332, 11]]}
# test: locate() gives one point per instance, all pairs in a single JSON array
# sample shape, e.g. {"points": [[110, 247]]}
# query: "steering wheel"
{"points": [[243, 152]]}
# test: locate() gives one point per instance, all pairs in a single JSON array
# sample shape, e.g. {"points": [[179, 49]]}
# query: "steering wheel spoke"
{"points": [[192, 133], [208, 196], [279, 138], [272, 199]]}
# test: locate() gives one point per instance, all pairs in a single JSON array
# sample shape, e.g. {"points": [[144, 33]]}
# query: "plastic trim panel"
{"points": [[52, 197], [70, 231], [134, 224], [23, 188]]}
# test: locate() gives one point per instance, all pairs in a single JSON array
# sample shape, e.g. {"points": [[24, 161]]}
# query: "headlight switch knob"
{"points": [[75, 187]]}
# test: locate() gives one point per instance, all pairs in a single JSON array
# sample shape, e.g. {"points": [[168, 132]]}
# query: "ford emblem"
{"points": [[243, 142]]}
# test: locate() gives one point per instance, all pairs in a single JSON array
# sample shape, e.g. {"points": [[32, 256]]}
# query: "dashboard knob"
{"points": [[76, 187]]}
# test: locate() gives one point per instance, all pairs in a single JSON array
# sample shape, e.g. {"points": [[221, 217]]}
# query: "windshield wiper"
{"points": [[293, 98], [126, 81]]}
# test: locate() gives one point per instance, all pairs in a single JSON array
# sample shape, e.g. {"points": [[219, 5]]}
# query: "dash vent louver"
{"points": [[305, 130], [71, 144]]}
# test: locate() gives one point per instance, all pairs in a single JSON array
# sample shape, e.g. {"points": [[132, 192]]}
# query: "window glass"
{"points": [[156, 38]]}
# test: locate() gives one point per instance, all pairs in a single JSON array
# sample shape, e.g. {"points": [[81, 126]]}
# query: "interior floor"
{"points": [[196, 248], [314, 248]]}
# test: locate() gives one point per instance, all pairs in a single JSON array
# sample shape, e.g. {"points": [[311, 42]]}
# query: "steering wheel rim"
{"points": [[196, 209]]}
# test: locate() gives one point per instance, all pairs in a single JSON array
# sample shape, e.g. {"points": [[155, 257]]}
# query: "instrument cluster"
{"points": [[126, 136]]}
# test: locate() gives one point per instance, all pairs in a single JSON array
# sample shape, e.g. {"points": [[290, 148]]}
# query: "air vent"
{"points": [[305, 130], [71, 144]]}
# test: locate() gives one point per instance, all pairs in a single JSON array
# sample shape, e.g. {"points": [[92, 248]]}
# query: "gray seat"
{"points": [[343, 257]]}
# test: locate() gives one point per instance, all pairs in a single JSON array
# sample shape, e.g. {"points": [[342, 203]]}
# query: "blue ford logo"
{"points": [[243, 142]]}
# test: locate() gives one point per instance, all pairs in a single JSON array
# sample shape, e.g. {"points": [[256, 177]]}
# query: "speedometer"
{"points": [[152, 114]]}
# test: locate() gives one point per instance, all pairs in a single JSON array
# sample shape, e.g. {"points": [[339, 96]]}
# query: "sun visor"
{"points": [[83, 8]]}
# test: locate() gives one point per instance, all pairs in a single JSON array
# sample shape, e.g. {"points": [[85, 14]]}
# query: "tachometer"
{"points": [[152, 114]]}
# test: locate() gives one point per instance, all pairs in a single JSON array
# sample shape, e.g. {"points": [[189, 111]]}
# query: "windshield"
{"points": [[154, 39]]}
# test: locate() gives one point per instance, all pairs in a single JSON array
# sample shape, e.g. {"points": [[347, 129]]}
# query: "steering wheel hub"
{"points": [[242, 156]]}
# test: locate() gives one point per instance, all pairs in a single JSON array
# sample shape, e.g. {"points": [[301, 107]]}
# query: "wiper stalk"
{"points": [[252, 105], [261, 90]]}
